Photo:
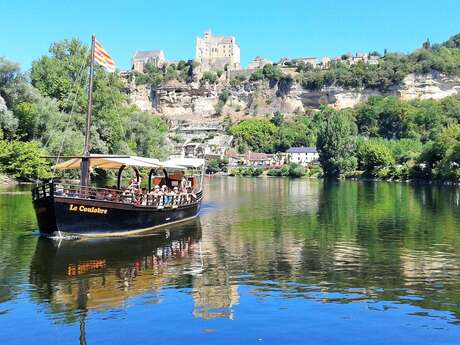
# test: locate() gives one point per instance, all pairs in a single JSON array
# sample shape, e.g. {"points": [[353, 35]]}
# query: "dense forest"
{"points": [[43, 112]]}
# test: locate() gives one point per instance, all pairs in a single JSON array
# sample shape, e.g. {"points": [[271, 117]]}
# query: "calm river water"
{"points": [[269, 261]]}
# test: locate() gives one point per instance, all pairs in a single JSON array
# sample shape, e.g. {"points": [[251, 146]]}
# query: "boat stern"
{"points": [[43, 201]]}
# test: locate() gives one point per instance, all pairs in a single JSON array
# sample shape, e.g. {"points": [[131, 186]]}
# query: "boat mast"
{"points": [[85, 164]]}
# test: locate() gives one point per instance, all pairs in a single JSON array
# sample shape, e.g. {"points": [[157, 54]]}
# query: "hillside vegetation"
{"points": [[43, 113], [384, 137]]}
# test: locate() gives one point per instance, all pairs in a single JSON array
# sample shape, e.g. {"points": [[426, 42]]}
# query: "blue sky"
{"points": [[272, 29]]}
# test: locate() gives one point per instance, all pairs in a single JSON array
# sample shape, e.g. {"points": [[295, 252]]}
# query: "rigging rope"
{"points": [[65, 131], [116, 106], [61, 113]]}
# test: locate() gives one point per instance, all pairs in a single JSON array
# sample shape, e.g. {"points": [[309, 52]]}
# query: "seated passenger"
{"points": [[191, 197], [155, 196], [183, 184], [167, 198], [176, 195]]}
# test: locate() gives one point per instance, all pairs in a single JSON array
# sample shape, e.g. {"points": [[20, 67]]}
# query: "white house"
{"points": [[302, 155]]}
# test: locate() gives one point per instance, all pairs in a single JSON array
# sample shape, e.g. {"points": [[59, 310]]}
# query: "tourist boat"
{"points": [[83, 210]]}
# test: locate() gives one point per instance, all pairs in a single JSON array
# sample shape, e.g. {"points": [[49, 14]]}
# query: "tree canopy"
{"points": [[47, 111]]}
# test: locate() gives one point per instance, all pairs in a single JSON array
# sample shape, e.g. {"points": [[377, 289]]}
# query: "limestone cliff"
{"points": [[197, 103]]}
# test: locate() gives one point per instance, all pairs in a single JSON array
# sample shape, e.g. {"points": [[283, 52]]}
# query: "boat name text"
{"points": [[81, 208]]}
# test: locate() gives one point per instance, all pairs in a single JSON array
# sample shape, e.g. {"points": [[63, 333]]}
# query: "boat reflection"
{"points": [[72, 277]]}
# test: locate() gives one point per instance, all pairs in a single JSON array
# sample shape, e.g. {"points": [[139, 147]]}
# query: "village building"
{"points": [[234, 158], [258, 159], [141, 58], [302, 155], [217, 52], [258, 62], [283, 62], [313, 61], [325, 62]]}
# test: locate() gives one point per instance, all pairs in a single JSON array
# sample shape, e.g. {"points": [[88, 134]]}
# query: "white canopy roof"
{"points": [[186, 162], [115, 162], [110, 162]]}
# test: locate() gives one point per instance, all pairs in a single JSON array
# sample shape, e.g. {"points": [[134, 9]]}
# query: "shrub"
{"points": [[23, 160], [209, 77], [257, 172], [246, 171], [296, 170], [315, 171], [285, 170], [217, 165], [274, 172], [374, 158], [257, 75]]}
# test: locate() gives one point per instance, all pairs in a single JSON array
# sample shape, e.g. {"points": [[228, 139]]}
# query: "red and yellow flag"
{"points": [[103, 58]]}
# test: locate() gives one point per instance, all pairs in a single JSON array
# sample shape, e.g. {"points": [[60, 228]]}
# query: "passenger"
{"points": [[155, 196], [108, 195], [191, 197], [184, 184], [176, 196], [131, 184], [166, 195]]}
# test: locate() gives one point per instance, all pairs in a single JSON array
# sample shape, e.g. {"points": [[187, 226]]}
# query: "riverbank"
{"points": [[355, 177], [7, 180]]}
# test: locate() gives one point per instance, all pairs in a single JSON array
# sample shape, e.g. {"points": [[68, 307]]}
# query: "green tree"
{"points": [[272, 72], [374, 157], [257, 75], [61, 75], [258, 134], [277, 119], [209, 77], [299, 132], [23, 160], [336, 143]]}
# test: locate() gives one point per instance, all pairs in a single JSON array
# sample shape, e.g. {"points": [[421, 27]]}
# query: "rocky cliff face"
{"points": [[203, 103]]}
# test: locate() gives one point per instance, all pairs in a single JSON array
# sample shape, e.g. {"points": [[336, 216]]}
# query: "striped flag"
{"points": [[103, 58]]}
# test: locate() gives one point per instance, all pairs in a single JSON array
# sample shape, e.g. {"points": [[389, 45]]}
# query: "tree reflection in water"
{"points": [[303, 243]]}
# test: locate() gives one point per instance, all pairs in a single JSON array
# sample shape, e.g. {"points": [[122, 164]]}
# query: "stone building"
{"points": [[302, 155], [258, 62], [140, 58], [217, 52]]}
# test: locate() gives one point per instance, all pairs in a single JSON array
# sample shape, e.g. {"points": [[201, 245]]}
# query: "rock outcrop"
{"points": [[197, 103]]}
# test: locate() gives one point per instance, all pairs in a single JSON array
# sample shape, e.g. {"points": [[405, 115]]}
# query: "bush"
{"points": [[292, 170], [209, 77], [374, 158], [23, 160], [285, 170], [246, 171], [257, 172], [257, 75], [217, 165], [274, 172], [315, 171], [224, 96], [296, 170]]}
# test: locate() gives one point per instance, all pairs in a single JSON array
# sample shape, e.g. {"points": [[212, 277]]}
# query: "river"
{"points": [[269, 261]]}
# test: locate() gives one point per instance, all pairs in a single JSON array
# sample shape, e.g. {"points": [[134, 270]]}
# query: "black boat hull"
{"points": [[83, 217]]}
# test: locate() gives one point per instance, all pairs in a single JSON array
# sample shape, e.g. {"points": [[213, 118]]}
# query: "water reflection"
{"points": [[75, 276], [264, 252], [340, 240]]}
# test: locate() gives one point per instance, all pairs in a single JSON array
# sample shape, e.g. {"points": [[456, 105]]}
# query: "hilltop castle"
{"points": [[217, 52]]}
